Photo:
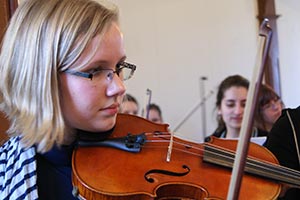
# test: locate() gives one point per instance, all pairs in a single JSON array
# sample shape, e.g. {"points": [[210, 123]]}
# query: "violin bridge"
{"points": [[168, 159]]}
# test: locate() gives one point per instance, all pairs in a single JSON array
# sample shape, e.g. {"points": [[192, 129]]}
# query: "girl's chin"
{"points": [[108, 124], [99, 124]]}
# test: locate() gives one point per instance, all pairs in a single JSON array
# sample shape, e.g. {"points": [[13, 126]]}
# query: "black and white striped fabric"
{"points": [[18, 175]]}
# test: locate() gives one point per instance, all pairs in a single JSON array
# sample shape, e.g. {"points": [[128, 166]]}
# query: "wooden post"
{"points": [[266, 9], [5, 15], [7, 8], [4, 125]]}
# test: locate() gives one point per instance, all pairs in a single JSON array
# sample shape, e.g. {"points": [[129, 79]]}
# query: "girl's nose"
{"points": [[239, 109], [274, 105], [277, 105], [116, 87]]}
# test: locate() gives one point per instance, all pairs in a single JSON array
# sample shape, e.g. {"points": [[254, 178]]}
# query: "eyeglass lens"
{"points": [[272, 104]]}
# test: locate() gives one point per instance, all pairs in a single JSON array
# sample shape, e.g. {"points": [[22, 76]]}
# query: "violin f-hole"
{"points": [[165, 172]]}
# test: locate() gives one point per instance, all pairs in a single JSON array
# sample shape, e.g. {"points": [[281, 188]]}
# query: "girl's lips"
{"points": [[112, 109], [237, 118]]}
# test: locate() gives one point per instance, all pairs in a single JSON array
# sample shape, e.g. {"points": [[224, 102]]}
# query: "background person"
{"points": [[268, 109], [230, 104], [129, 105], [155, 114], [284, 142]]}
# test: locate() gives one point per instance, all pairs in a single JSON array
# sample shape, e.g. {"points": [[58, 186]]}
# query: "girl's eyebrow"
{"points": [[230, 100], [104, 62], [123, 59], [95, 64]]}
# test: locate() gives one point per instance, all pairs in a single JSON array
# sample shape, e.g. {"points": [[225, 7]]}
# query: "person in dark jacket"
{"points": [[284, 142]]}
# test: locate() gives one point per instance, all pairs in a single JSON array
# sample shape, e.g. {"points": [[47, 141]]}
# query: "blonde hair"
{"points": [[44, 37]]}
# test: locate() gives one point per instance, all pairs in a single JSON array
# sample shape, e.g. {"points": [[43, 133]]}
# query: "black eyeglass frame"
{"points": [[120, 66]]}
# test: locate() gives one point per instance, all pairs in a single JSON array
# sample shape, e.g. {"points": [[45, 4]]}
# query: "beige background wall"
{"points": [[175, 42]]}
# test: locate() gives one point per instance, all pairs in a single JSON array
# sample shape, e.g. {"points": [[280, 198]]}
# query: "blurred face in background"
{"points": [[271, 112], [154, 116], [232, 108], [129, 107]]}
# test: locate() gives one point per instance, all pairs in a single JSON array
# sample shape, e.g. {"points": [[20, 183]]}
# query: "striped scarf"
{"points": [[18, 175]]}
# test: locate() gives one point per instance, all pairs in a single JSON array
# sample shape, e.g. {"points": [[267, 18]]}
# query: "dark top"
{"points": [[282, 144], [221, 133], [54, 168]]}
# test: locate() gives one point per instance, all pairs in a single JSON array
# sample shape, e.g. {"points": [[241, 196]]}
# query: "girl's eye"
{"points": [[119, 65], [95, 70], [230, 105]]}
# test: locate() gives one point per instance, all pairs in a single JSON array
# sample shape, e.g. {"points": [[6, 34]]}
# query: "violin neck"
{"points": [[253, 166]]}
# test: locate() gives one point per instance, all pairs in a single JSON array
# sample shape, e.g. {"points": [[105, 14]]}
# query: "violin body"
{"points": [[109, 173]]}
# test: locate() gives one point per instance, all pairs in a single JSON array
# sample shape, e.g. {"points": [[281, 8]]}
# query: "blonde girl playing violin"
{"points": [[62, 67]]}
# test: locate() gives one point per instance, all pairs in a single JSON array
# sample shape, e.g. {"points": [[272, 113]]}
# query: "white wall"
{"points": [[289, 50], [175, 42]]}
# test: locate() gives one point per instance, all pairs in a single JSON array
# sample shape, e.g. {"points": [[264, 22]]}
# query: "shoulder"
{"points": [[261, 133], [290, 111], [219, 132], [17, 167], [13, 149], [288, 114], [294, 113]]}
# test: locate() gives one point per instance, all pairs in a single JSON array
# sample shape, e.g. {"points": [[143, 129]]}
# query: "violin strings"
{"points": [[258, 167], [166, 141], [261, 168], [165, 138]]}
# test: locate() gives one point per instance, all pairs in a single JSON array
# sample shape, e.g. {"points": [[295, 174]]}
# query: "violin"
{"points": [[148, 162]]}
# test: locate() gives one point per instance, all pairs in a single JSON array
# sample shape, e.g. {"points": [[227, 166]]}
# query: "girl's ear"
{"points": [[219, 111]]}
